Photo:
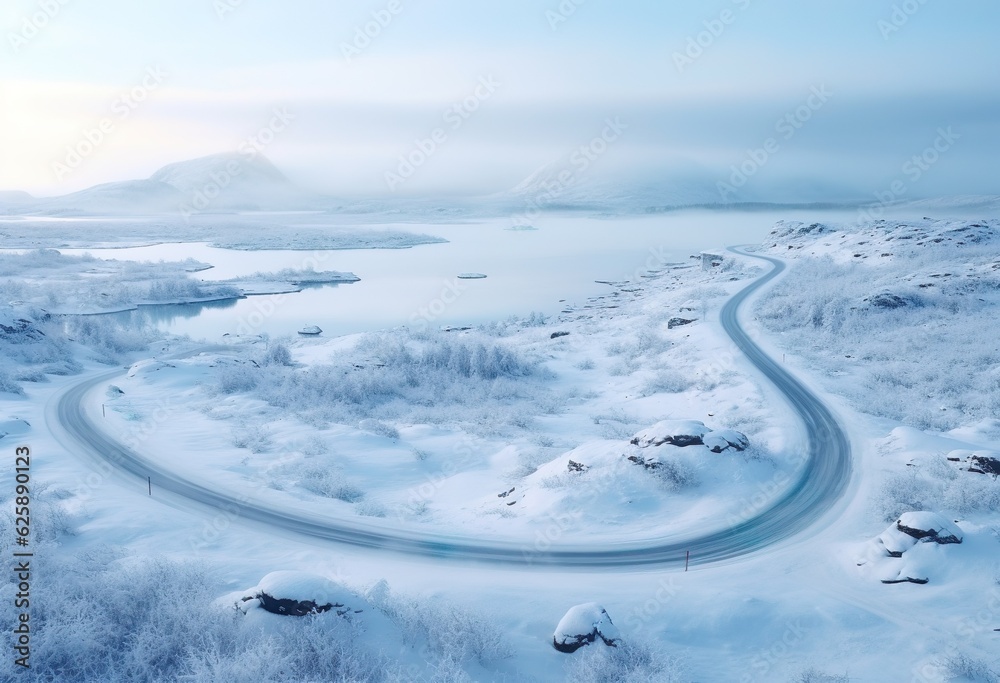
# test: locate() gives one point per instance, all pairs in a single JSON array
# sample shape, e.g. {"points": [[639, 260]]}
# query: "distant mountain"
{"points": [[220, 183], [14, 197]]}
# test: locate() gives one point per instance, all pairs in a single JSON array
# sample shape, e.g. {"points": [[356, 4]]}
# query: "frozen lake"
{"points": [[538, 270]]}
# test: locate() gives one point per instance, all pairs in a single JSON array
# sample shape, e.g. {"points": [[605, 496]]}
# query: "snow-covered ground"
{"points": [[388, 426]]}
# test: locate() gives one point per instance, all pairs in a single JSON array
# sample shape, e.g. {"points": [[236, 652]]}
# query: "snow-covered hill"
{"points": [[219, 183]]}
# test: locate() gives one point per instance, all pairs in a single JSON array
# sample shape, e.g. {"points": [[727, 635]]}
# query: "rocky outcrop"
{"points": [[583, 625], [574, 466], [909, 550], [726, 440], [928, 526], [298, 594], [673, 432], [679, 322]]}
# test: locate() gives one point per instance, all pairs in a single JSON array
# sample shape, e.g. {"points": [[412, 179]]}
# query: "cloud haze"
{"points": [[703, 86]]}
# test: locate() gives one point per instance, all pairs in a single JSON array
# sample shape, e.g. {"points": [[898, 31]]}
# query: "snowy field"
{"points": [[522, 429]]}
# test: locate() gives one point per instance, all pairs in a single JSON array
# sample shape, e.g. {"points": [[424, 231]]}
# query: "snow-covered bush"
{"points": [[400, 375], [831, 312], [451, 632], [277, 354], [628, 663], [111, 338]]}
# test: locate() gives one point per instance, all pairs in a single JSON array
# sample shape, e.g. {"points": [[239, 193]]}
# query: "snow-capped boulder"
{"points": [[911, 549], [928, 527], [673, 432], [293, 593], [721, 440], [583, 625]]}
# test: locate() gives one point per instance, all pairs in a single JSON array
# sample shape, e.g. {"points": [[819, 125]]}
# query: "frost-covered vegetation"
{"points": [[399, 376], [874, 303], [60, 283], [101, 614]]}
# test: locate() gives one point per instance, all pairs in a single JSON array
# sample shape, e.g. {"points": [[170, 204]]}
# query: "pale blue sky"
{"points": [[353, 119]]}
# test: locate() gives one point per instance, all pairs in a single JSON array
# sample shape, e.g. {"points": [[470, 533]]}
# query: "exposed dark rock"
{"points": [[295, 608], [583, 625], [984, 464], [504, 494], [725, 440], [928, 526], [887, 300], [556, 335], [678, 322], [575, 466]]}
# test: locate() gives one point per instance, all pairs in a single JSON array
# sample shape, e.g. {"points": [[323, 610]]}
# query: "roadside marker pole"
{"points": [[103, 412], [687, 560], [149, 482]]}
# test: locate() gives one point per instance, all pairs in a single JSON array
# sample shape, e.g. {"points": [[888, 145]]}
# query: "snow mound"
{"points": [[583, 625], [673, 432], [928, 525], [295, 593], [14, 427], [911, 549], [721, 440]]}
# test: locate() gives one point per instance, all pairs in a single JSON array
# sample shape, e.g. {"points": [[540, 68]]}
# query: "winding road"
{"points": [[821, 482]]}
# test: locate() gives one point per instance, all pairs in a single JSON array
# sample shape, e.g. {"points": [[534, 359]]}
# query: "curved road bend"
{"points": [[822, 480]]}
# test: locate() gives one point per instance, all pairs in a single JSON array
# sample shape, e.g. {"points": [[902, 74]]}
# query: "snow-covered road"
{"points": [[822, 481]]}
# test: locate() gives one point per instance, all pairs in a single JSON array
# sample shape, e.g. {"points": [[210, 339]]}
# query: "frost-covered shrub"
{"points": [[962, 666], [451, 632], [676, 475], [330, 483], [668, 382], [812, 675], [111, 338], [8, 385], [627, 663], [402, 375], [832, 314], [277, 354], [252, 436]]}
